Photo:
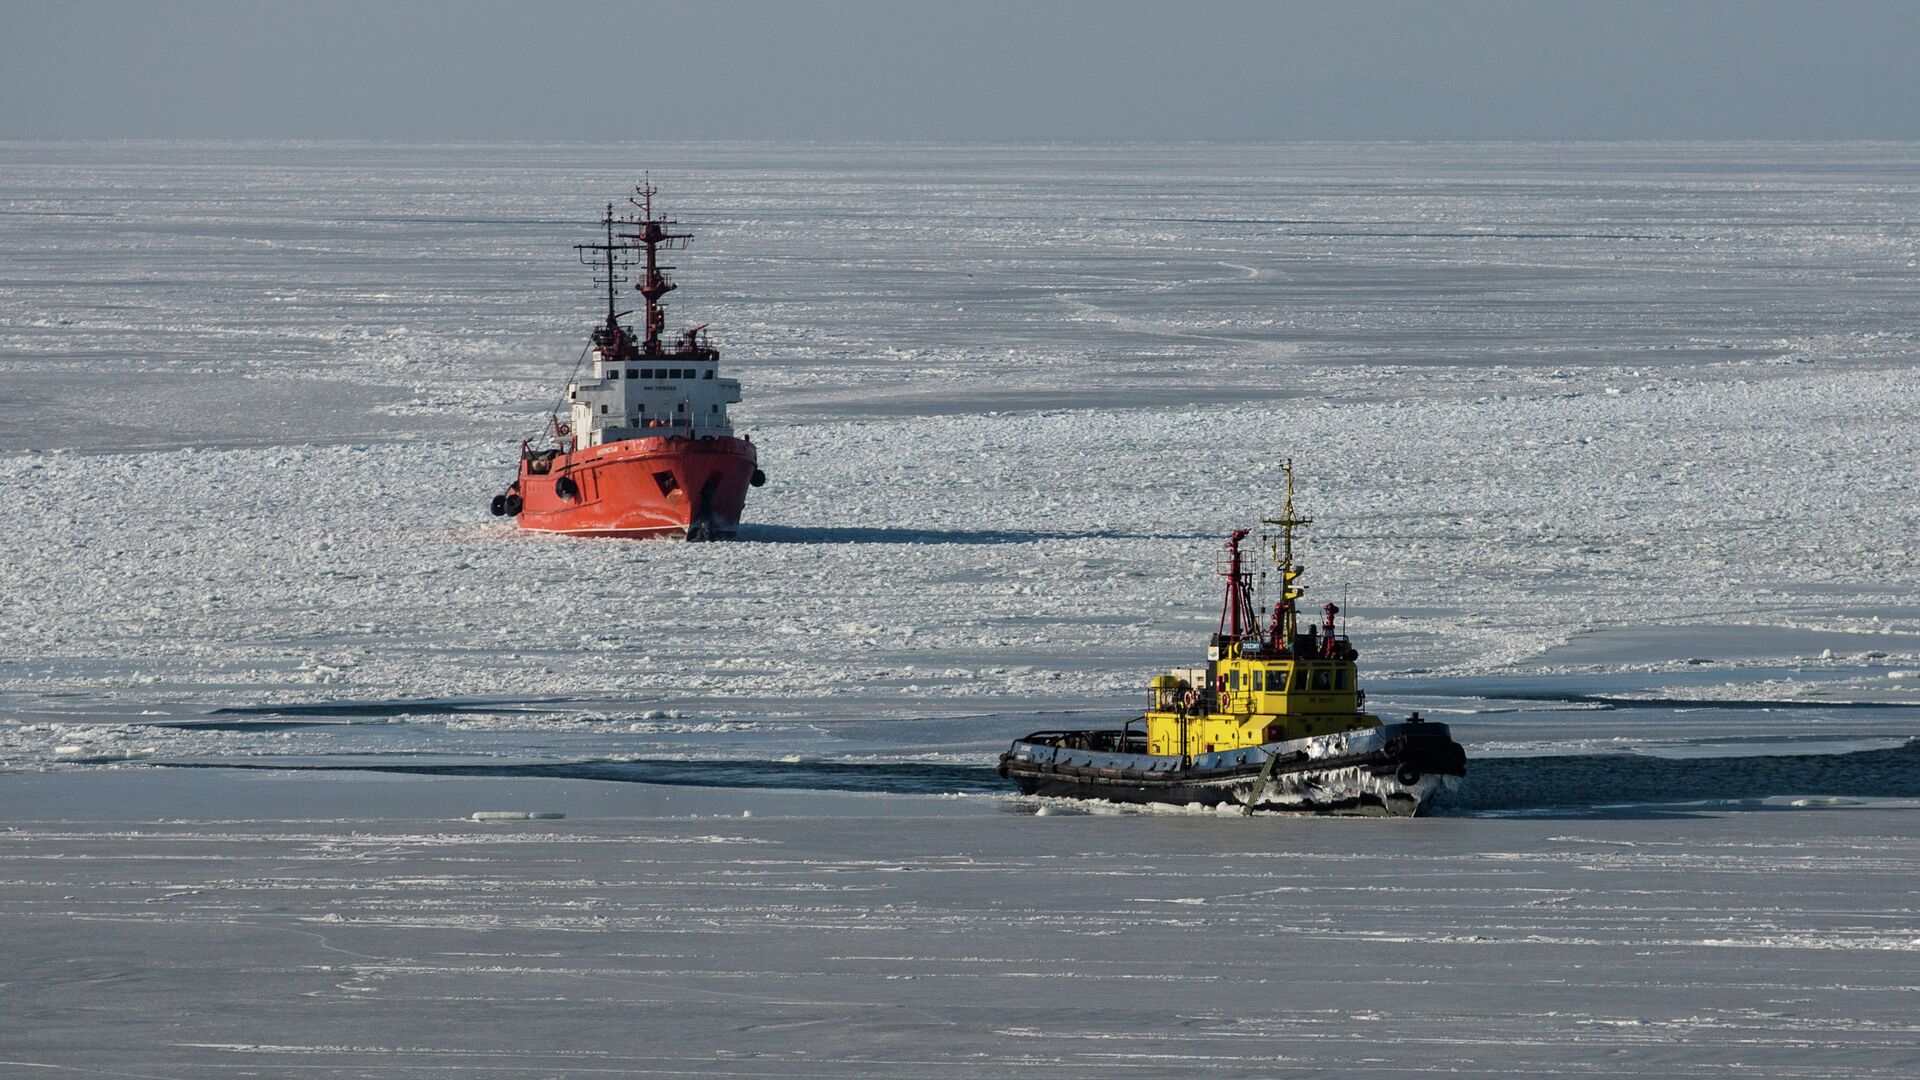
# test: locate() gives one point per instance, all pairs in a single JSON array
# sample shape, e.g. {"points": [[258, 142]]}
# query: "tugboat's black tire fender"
{"points": [[1001, 769], [498, 507], [566, 488], [1408, 775], [759, 479], [513, 505]]}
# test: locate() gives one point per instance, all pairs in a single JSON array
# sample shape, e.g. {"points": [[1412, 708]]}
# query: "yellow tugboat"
{"points": [[1275, 720]]}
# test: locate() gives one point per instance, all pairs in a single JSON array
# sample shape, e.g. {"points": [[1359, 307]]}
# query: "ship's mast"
{"points": [[1287, 625], [654, 283], [608, 251]]}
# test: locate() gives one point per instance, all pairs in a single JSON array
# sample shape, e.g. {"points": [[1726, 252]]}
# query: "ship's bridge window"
{"points": [[1322, 679], [613, 373], [709, 374], [632, 374], [1234, 679], [646, 373], [1340, 679]]}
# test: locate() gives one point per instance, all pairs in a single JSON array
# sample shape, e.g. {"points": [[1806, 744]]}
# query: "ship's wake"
{"points": [[1580, 783]]}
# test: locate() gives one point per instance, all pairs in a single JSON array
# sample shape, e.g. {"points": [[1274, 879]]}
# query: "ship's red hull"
{"points": [[668, 485]]}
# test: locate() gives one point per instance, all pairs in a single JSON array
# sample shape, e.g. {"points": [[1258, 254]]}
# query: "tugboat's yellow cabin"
{"points": [[1252, 700]]}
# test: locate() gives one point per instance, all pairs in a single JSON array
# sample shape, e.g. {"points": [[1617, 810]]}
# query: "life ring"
{"points": [[566, 488], [1190, 699]]}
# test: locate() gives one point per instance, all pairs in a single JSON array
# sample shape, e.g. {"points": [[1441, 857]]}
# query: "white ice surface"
{"points": [[292, 925]]}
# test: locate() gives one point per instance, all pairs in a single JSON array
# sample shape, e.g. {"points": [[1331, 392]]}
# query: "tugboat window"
{"points": [[646, 373], [708, 375], [613, 373], [1340, 679], [1259, 681], [1322, 678]]}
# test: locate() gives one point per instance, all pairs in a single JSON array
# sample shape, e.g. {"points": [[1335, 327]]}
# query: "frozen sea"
{"points": [[1610, 451]]}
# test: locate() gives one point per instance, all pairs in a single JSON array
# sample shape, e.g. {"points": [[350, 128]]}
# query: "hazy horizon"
{"points": [[1067, 71]]}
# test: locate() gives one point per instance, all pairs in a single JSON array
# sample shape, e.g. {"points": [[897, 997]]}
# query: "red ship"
{"points": [[647, 449]]}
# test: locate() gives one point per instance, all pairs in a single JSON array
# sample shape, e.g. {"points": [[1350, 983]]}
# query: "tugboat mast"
{"points": [[1285, 616]]}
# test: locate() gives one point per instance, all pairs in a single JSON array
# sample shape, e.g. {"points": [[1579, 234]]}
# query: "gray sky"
{"points": [[985, 70]]}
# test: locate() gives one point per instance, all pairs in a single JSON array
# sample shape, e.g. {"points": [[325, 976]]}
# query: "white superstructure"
{"points": [[639, 395]]}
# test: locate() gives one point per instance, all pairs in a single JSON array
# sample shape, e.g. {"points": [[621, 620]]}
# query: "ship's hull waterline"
{"points": [[1396, 770]]}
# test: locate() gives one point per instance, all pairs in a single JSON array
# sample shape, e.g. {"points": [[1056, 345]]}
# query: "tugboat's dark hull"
{"points": [[1394, 770]]}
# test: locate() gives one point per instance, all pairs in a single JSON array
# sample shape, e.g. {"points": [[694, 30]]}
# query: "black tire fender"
{"points": [[498, 507], [513, 506], [1408, 775], [758, 479], [566, 488]]}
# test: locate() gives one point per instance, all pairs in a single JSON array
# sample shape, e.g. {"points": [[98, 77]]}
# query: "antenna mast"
{"points": [[654, 284], [1288, 625], [614, 264]]}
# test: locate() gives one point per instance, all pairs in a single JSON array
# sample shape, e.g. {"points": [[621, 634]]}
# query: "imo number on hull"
{"points": [[1275, 720]]}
